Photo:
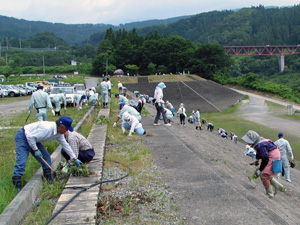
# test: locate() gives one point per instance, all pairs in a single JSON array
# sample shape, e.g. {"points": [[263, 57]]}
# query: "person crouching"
{"points": [[131, 124]]}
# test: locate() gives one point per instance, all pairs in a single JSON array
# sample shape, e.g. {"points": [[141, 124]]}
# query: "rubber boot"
{"points": [[17, 182], [277, 186], [48, 175], [270, 192], [58, 113]]}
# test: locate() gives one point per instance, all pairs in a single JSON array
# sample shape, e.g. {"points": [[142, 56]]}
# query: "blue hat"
{"points": [[104, 79], [121, 105], [99, 92], [280, 135], [116, 95], [84, 96], [67, 122]]}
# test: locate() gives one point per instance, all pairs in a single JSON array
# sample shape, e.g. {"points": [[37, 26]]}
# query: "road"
{"points": [[256, 110]]}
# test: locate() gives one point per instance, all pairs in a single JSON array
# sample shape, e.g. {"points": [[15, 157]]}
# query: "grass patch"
{"points": [[7, 151], [8, 99]]}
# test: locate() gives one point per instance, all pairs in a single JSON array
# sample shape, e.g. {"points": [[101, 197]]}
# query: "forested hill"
{"points": [[71, 33], [247, 26]]}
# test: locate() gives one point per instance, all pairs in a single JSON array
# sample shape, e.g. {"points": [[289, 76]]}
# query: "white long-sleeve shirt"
{"points": [[284, 147], [44, 131], [133, 122], [158, 95], [40, 99]]}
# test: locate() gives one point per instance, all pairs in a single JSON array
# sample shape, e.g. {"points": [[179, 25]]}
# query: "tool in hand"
{"points": [[27, 118], [54, 172]]}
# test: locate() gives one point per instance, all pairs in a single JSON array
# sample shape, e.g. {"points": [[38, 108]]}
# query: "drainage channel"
{"points": [[15, 212], [82, 209]]}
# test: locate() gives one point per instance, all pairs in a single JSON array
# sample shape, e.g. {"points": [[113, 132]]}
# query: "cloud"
{"points": [[119, 11]]}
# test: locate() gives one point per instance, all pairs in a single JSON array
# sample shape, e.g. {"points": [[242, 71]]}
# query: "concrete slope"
{"points": [[208, 178], [206, 95]]}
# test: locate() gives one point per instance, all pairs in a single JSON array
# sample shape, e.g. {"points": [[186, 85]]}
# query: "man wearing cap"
{"points": [[121, 98], [284, 148], [29, 139], [126, 108], [104, 91], [41, 101], [267, 151]]}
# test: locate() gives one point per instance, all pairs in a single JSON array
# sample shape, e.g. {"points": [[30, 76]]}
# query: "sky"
{"points": [[117, 12]]}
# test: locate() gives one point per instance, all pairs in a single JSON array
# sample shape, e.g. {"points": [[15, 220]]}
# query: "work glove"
{"points": [[159, 104], [29, 112], [37, 153], [115, 124], [53, 113], [292, 157], [78, 162], [258, 172], [130, 134], [65, 108]]}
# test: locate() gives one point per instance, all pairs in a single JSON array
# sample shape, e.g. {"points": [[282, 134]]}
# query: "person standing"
{"points": [[120, 87], [198, 123], [81, 147], [158, 96], [29, 139], [104, 92], [285, 148], [41, 101], [109, 87], [182, 115], [266, 151]]}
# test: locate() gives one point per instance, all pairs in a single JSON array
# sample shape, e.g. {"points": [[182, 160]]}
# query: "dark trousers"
{"points": [[182, 118], [160, 110], [83, 156]]}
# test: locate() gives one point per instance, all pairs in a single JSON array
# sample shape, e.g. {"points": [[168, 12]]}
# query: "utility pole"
{"points": [[44, 66], [20, 43]]}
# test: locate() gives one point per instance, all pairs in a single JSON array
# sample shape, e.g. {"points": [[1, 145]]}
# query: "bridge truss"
{"points": [[262, 50]]}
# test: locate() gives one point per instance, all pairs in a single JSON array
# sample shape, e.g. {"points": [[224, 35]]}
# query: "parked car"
{"points": [[69, 91], [28, 90], [4, 91], [21, 90], [80, 88], [1, 93], [12, 91]]}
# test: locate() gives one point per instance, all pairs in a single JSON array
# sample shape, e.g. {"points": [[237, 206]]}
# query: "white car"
{"points": [[69, 91], [80, 89]]}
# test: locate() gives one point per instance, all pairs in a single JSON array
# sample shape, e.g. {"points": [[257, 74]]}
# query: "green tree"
{"points": [[132, 68], [151, 67]]}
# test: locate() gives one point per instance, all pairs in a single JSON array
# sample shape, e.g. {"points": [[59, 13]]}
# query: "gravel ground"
{"points": [[127, 202]]}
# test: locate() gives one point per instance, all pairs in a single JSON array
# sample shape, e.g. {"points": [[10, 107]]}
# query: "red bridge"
{"points": [[262, 50], [280, 50]]}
